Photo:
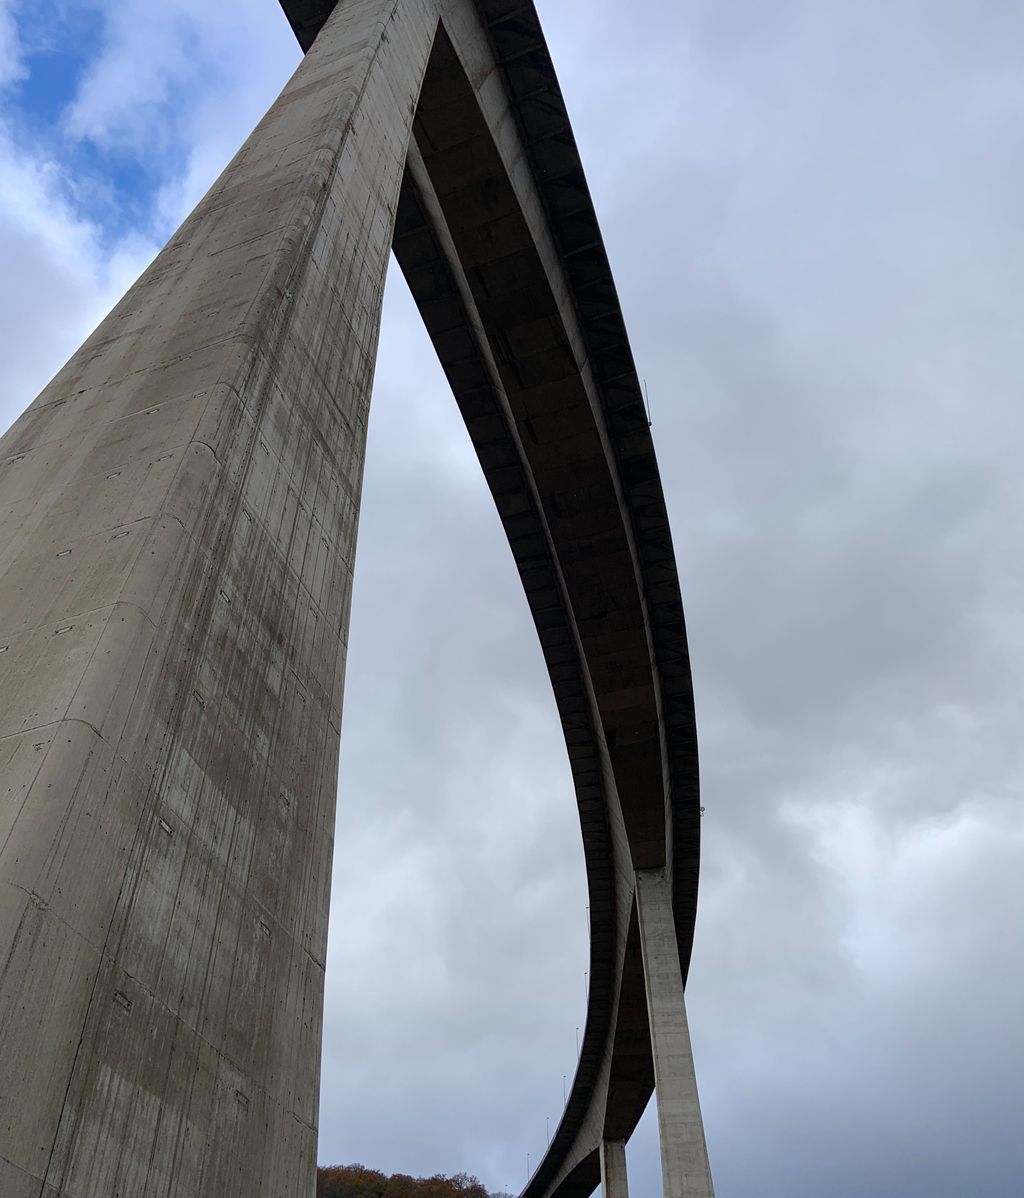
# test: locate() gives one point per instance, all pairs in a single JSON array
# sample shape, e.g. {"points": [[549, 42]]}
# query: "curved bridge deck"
{"points": [[500, 245]]}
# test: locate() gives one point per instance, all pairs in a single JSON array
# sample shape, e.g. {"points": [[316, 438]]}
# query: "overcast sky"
{"points": [[814, 214]]}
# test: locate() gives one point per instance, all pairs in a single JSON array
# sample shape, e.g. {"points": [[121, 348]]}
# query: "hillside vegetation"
{"points": [[356, 1181]]}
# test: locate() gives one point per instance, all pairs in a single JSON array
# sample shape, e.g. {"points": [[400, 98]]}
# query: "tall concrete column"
{"points": [[178, 517], [686, 1170], [614, 1183]]}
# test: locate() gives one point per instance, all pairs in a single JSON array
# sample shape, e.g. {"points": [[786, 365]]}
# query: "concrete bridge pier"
{"points": [[686, 1169], [614, 1183], [178, 514]]}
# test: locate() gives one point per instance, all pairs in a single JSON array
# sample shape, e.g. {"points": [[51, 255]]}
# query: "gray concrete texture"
{"points": [[178, 530], [614, 1183], [178, 517], [684, 1155]]}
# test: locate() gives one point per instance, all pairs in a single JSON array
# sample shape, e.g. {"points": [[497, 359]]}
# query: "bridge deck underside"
{"points": [[498, 240], [513, 285]]}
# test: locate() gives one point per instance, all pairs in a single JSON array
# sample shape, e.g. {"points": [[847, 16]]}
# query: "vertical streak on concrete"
{"points": [[178, 516], [613, 1169], [685, 1167]]}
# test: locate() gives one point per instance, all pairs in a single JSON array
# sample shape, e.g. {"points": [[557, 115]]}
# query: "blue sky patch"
{"points": [[58, 47], [114, 189]]}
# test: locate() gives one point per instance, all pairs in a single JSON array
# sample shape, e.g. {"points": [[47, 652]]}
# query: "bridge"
{"points": [[178, 514]]}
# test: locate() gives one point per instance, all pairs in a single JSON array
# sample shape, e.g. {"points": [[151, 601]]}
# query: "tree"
{"points": [[357, 1181]]}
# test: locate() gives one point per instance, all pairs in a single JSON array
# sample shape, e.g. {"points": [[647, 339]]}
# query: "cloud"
{"points": [[457, 855], [11, 65], [177, 87], [818, 296], [174, 86], [812, 214], [158, 65], [61, 277]]}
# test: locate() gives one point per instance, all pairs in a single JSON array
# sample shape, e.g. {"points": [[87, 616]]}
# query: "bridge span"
{"points": [[178, 512]]}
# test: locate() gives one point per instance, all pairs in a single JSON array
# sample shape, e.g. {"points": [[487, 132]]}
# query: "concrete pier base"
{"points": [[614, 1183], [686, 1170]]}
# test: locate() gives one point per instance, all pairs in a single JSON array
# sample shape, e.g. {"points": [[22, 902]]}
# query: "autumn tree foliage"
{"points": [[356, 1181]]}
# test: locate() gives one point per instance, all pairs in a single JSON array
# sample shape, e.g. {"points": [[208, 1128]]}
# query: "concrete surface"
{"points": [[613, 1169], [178, 515], [686, 1172]]}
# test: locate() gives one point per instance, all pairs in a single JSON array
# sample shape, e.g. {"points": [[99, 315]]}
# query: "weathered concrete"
{"points": [[686, 1171], [613, 1169], [178, 516], [178, 528]]}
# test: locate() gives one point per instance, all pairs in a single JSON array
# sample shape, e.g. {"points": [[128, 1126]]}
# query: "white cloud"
{"points": [[157, 66], [11, 65], [180, 85], [60, 276], [176, 84], [812, 215]]}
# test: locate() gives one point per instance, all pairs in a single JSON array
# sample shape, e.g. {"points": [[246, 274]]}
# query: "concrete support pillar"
{"points": [[684, 1156], [613, 1169], [178, 516]]}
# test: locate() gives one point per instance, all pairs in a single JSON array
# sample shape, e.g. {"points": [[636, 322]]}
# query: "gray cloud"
{"points": [[812, 211]]}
